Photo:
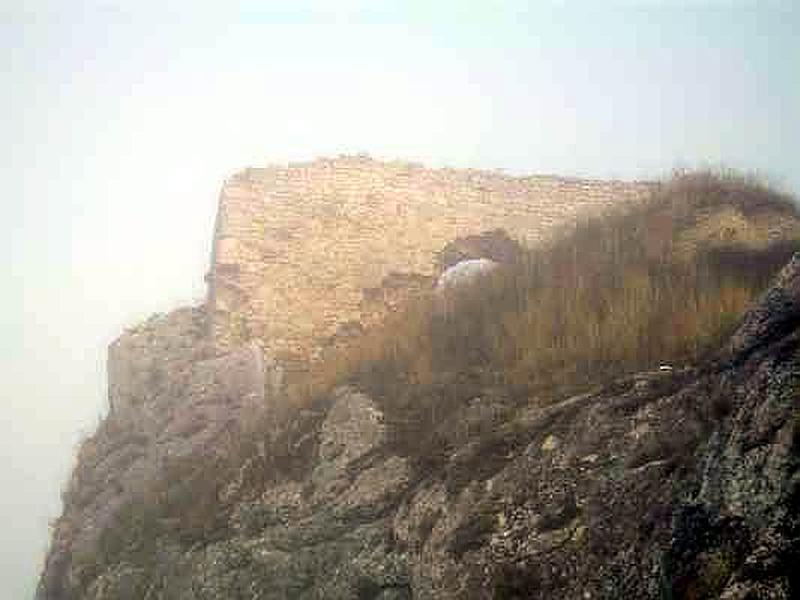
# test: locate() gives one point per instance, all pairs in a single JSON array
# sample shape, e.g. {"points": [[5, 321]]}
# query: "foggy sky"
{"points": [[120, 124]]}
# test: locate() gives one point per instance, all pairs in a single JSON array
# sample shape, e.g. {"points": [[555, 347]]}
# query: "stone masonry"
{"points": [[296, 247]]}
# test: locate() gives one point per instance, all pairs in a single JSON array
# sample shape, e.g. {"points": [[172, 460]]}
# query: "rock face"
{"points": [[679, 483], [778, 314], [172, 397], [209, 479]]}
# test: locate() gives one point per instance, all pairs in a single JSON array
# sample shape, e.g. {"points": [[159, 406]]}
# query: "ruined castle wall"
{"points": [[295, 247]]}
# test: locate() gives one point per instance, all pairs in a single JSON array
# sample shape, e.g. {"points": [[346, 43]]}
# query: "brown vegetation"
{"points": [[663, 283]]}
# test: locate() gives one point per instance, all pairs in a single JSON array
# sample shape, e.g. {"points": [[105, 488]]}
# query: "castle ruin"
{"points": [[300, 250]]}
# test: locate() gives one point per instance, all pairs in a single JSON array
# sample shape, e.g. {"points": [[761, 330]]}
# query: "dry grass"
{"points": [[611, 296], [614, 294]]}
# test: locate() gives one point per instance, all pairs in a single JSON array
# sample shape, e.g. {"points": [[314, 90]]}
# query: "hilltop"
{"points": [[604, 410]]}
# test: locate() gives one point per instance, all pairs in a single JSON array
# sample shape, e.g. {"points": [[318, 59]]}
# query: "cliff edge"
{"points": [[613, 428]]}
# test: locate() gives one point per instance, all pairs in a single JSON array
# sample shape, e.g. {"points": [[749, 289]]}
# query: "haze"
{"points": [[120, 124]]}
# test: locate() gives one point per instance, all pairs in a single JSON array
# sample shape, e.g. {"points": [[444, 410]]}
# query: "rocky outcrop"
{"points": [[428, 453], [679, 483], [172, 397], [777, 314]]}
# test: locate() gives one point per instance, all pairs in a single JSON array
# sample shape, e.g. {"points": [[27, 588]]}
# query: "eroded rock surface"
{"points": [[173, 398], [680, 483]]}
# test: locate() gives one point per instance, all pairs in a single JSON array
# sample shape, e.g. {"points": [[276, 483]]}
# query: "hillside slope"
{"points": [[599, 418]]}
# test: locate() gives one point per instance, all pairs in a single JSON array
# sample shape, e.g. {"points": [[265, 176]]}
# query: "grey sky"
{"points": [[119, 124]]}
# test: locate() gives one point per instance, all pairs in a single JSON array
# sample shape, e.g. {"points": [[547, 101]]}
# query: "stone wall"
{"points": [[295, 247]]}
